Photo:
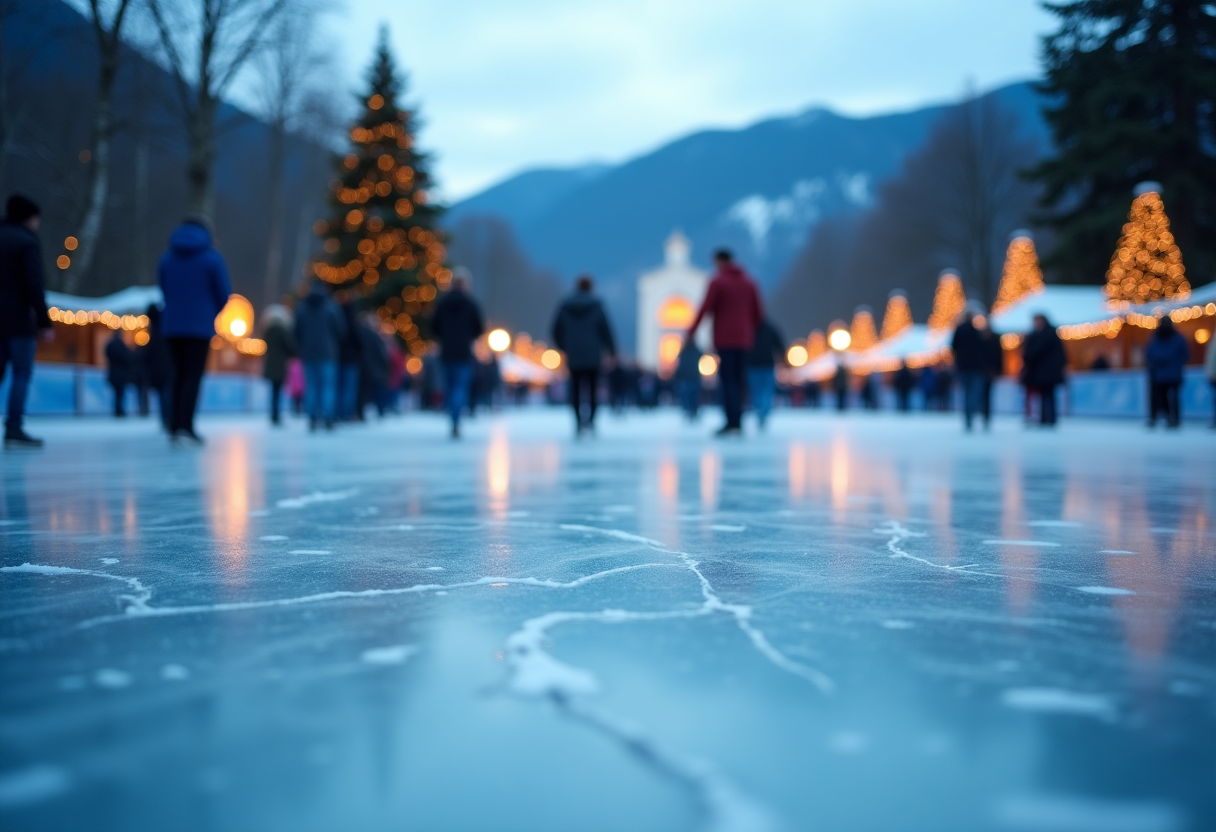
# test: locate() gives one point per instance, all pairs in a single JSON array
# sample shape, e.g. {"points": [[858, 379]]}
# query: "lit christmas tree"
{"points": [[383, 244], [816, 344], [1147, 264], [1021, 275], [948, 301], [862, 331], [898, 316]]}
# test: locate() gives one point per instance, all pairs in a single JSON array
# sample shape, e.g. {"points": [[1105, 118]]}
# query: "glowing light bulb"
{"points": [[797, 355], [499, 340], [840, 339]]}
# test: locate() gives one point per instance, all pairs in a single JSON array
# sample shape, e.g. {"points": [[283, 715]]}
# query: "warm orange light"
{"points": [[63, 261], [235, 320], [676, 313], [1202, 336], [499, 340], [797, 355], [707, 366], [70, 243], [413, 365], [551, 359], [840, 339], [376, 101], [142, 337], [669, 349]]}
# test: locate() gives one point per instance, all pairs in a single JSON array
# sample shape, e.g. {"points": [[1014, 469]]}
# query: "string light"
{"points": [[1021, 276], [898, 315], [1147, 263], [862, 334], [948, 300], [816, 344]]}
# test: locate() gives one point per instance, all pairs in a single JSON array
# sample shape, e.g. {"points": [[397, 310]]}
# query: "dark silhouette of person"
{"points": [[23, 311], [767, 351], [280, 346], [119, 370], [158, 366], [195, 284], [319, 329], [970, 360], [733, 301], [1044, 362], [457, 322], [1166, 354], [688, 379], [581, 330], [904, 383], [840, 386]]}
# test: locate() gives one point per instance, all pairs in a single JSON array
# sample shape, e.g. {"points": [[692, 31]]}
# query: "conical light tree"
{"points": [[898, 315], [382, 242], [816, 344], [948, 300], [1147, 263], [862, 330], [1021, 275]]}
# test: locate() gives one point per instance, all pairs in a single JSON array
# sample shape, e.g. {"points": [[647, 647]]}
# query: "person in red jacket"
{"points": [[734, 303]]}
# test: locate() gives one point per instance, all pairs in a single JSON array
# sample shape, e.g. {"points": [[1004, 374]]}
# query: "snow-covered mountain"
{"points": [[758, 190]]}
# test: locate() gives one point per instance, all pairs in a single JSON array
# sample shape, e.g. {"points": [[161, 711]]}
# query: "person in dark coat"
{"points": [[280, 346], [840, 386], [319, 329], [971, 360], [1167, 353], [994, 368], [688, 379], [766, 352], [904, 383], [733, 301], [1044, 361], [928, 387], [457, 322], [194, 281], [350, 363], [944, 392], [158, 365], [373, 368], [23, 311], [581, 330], [119, 370]]}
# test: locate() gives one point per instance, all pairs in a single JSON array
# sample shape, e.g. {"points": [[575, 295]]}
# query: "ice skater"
{"points": [[581, 330], [319, 329], [1166, 354], [23, 312], [1044, 361], [766, 352], [457, 322]]}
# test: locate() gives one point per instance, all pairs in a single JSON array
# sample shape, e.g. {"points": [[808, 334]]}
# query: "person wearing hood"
{"points": [[194, 281], [581, 330], [971, 361], [457, 322], [1044, 361], [1166, 354], [733, 301], [23, 311], [280, 346], [768, 350], [319, 329]]}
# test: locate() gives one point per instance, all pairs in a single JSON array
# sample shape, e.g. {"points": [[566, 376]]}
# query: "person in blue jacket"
{"points": [[194, 281], [1166, 355]]}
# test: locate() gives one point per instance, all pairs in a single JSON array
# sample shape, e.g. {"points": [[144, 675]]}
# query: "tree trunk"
{"points": [[274, 236], [201, 199], [99, 181]]}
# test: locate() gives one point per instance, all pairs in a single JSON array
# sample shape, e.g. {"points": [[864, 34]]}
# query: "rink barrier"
{"points": [[81, 390]]}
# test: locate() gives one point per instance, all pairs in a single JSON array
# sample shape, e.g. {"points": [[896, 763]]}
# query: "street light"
{"points": [[840, 339], [797, 355], [499, 340]]}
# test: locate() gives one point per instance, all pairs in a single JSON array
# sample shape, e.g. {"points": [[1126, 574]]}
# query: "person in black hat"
{"points": [[23, 315]]}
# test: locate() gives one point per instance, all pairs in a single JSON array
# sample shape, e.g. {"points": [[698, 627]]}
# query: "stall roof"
{"points": [[515, 368], [1063, 306], [134, 300]]}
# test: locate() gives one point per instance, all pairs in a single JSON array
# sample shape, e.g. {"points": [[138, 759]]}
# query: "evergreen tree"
{"points": [[1147, 263], [948, 301], [1132, 86], [1021, 275], [862, 330], [382, 243], [816, 344], [898, 316]]}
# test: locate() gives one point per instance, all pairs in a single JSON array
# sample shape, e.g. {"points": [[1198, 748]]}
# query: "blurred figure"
{"points": [[618, 381], [810, 392], [280, 348], [350, 362], [928, 387], [733, 301], [373, 368], [904, 383], [1209, 370], [457, 322], [1166, 354], [320, 327], [688, 379], [994, 368], [768, 349], [1100, 364], [944, 392], [194, 281], [119, 366], [971, 360], [840, 386], [294, 382], [23, 312], [1044, 358], [869, 392], [581, 330], [158, 366]]}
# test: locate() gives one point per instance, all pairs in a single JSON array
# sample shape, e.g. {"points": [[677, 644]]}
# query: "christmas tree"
{"points": [[862, 330], [948, 301], [816, 344], [382, 243], [1021, 276], [898, 316], [1147, 263]]}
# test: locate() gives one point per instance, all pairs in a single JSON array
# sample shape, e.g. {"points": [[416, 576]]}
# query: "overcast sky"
{"points": [[510, 84]]}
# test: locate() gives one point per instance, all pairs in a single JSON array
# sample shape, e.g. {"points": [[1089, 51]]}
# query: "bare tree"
{"points": [[107, 30], [206, 44]]}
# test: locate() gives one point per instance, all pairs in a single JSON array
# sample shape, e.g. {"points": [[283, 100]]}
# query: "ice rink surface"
{"points": [[845, 624]]}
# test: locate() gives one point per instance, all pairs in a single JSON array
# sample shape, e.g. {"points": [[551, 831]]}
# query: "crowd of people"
{"points": [[333, 363]]}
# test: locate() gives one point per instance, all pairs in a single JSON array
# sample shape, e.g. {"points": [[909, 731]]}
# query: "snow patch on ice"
{"points": [[33, 784], [393, 654], [109, 561], [1104, 590], [1116, 552], [1059, 701], [1046, 543], [897, 624], [138, 600], [310, 552], [722, 527], [1067, 813], [317, 497], [273, 538], [174, 673], [1055, 524], [112, 679]]}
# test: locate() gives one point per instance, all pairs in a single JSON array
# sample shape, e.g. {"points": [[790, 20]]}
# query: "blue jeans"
{"points": [[320, 389], [348, 391], [975, 385], [762, 384], [20, 353], [457, 376]]}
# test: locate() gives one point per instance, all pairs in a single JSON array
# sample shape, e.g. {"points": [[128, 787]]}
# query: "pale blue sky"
{"points": [[506, 85]]}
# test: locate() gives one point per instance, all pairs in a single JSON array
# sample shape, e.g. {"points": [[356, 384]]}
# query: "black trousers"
{"points": [[189, 357], [1047, 404], [120, 392], [276, 390], [732, 375], [580, 380], [1163, 401]]}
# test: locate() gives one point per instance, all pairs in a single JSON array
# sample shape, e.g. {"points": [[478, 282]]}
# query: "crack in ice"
{"points": [[138, 600], [900, 533]]}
